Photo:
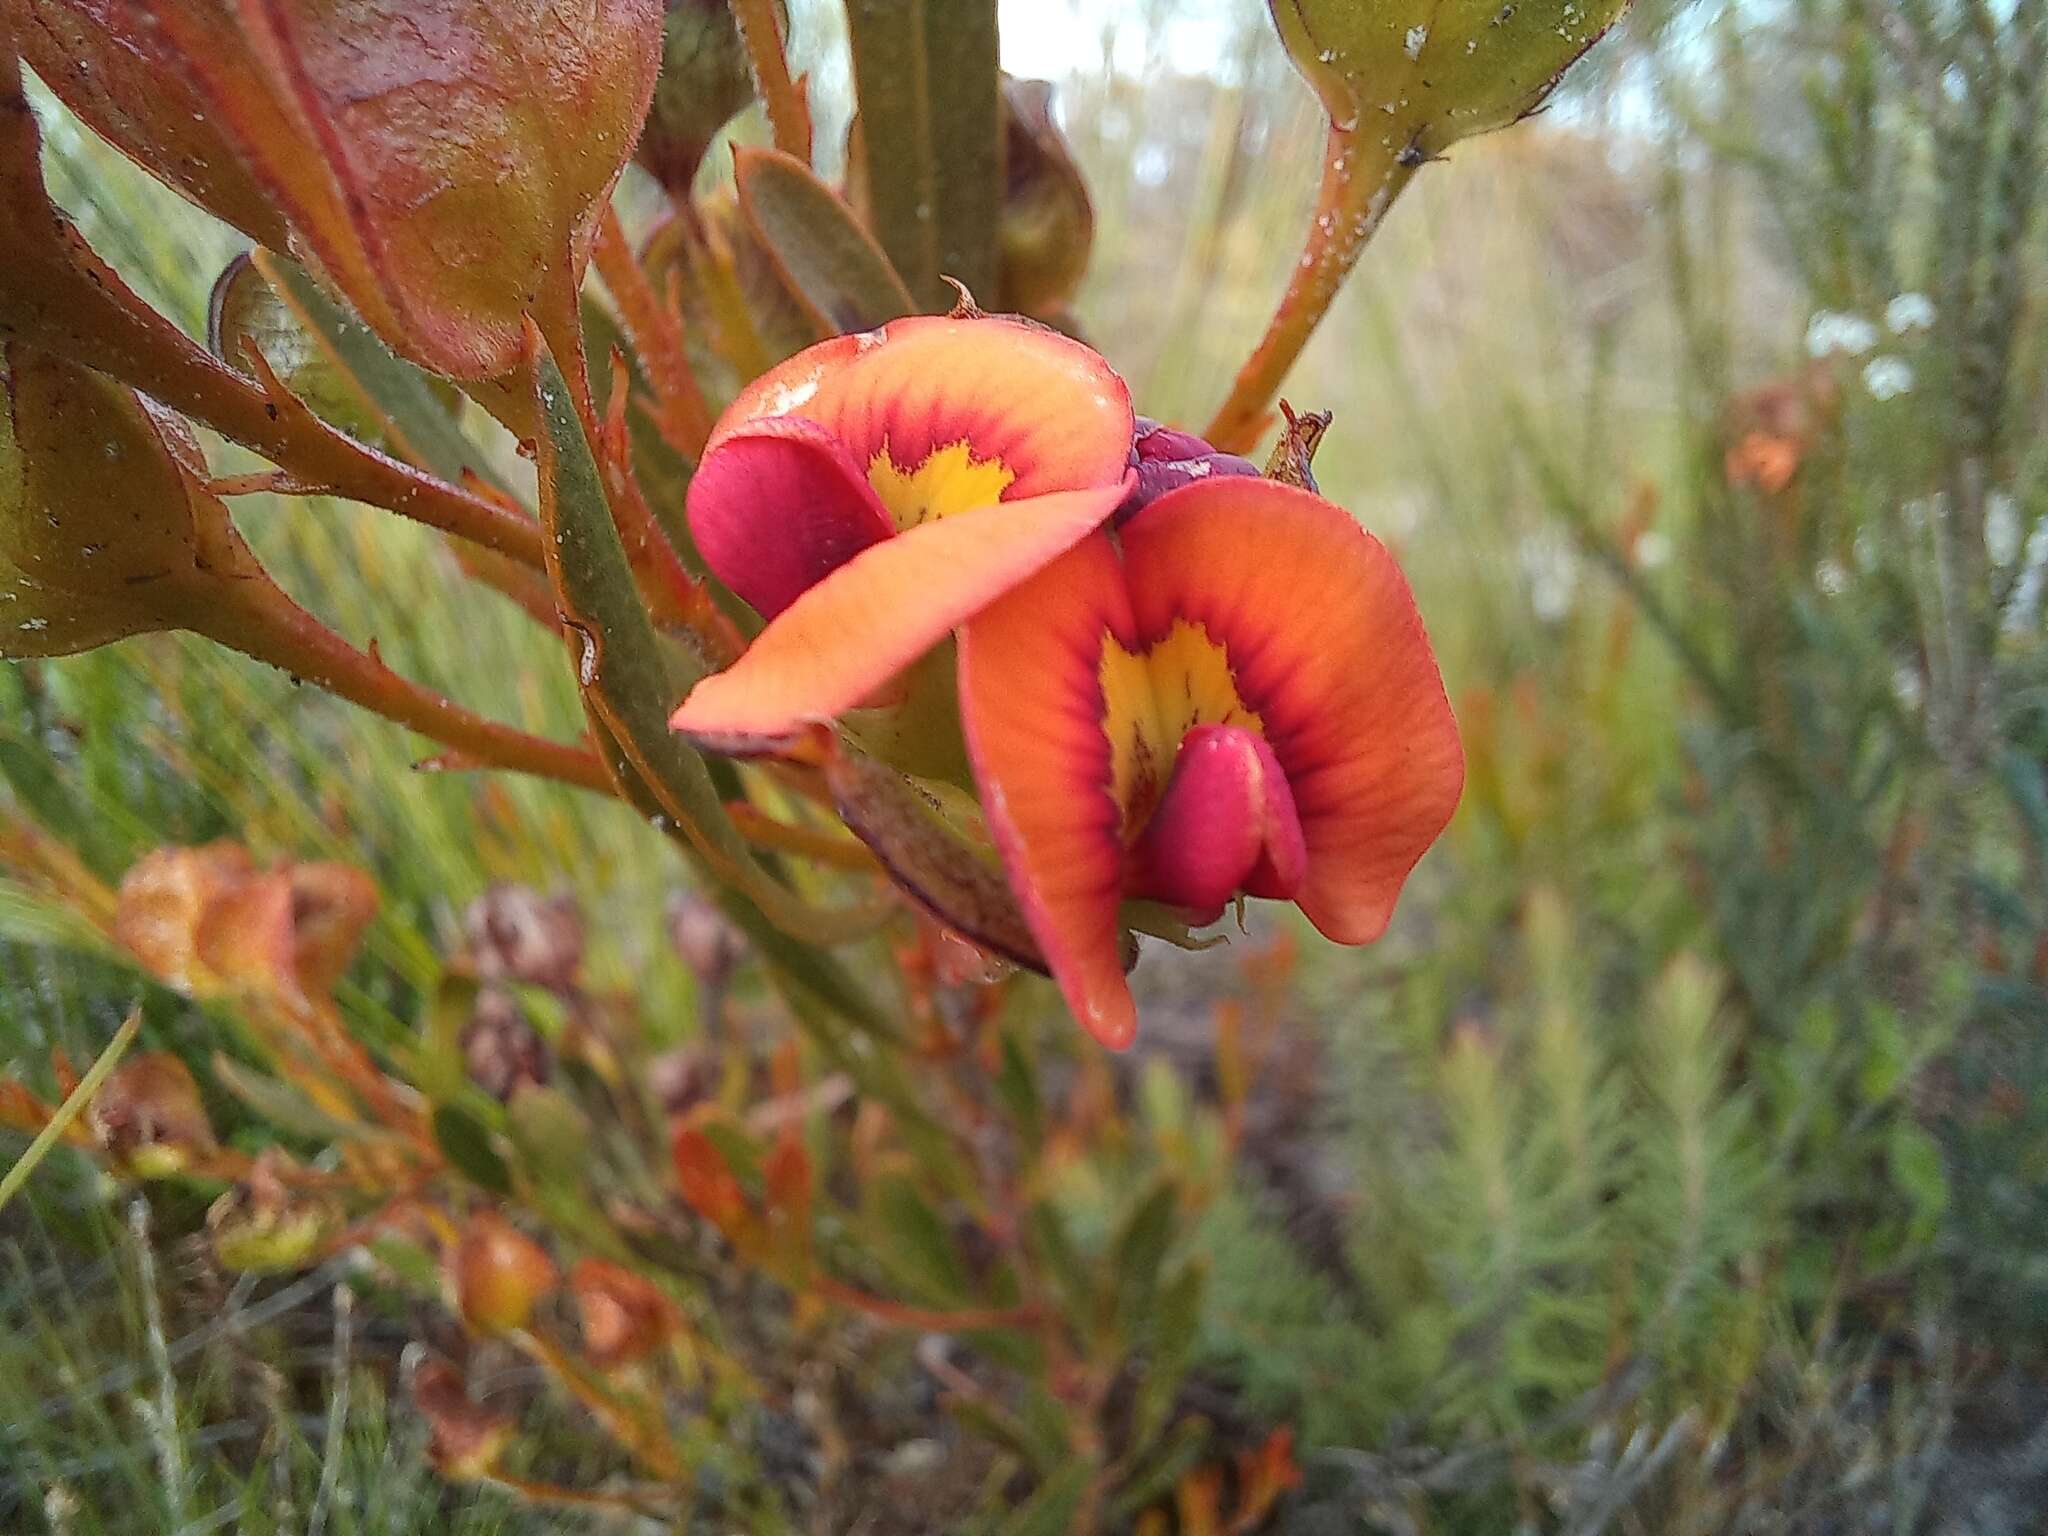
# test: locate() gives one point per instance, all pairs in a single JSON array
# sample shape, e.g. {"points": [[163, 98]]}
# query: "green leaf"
{"points": [[441, 1073], [1046, 1230], [632, 683], [832, 265], [925, 72], [465, 1142], [912, 1242], [1160, 1471], [1916, 1167], [1051, 1510], [1140, 1248], [550, 1134], [30, 772], [285, 1107], [419, 411]]}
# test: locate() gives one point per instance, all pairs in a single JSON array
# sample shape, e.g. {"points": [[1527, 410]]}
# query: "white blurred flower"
{"points": [[1830, 578], [1653, 550], [1887, 377], [1907, 687], [1832, 331], [2001, 528], [2023, 611], [1909, 312], [1552, 575]]}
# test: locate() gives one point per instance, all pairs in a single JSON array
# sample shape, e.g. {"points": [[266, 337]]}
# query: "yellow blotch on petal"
{"points": [[949, 480], [1151, 700]]}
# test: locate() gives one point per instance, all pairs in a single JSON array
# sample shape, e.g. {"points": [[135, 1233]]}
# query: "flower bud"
{"points": [[1423, 75], [516, 934], [1047, 225], [442, 162], [705, 938], [497, 1274], [467, 1439], [501, 1052], [206, 919], [103, 532], [624, 1317], [704, 82], [148, 1117], [1166, 458], [162, 899]]}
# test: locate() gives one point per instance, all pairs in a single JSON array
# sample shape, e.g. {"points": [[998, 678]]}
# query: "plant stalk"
{"points": [[1361, 178]]}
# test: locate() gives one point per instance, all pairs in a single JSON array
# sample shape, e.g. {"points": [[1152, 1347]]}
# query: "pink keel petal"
{"points": [[779, 505], [1225, 824]]}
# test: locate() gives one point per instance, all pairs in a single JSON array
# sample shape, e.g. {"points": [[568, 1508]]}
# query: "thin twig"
{"points": [[788, 114]]}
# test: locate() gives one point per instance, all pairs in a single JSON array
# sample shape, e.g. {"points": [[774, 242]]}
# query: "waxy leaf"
{"points": [[832, 266], [443, 162], [245, 312], [1422, 74], [103, 534], [927, 141]]}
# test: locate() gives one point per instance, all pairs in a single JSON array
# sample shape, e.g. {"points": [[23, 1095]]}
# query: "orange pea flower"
{"points": [[1233, 696], [874, 491]]}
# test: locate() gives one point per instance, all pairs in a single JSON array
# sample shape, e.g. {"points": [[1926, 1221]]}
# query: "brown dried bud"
{"points": [[1292, 461], [467, 1439], [497, 1274], [705, 938], [148, 1116], [682, 1079], [517, 934], [624, 1317], [162, 899], [501, 1051]]}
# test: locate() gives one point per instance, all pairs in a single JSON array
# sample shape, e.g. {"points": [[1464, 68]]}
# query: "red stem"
{"points": [[1361, 179]]}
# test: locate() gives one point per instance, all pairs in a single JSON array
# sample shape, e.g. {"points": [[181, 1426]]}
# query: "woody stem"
{"points": [[1361, 178], [255, 617]]}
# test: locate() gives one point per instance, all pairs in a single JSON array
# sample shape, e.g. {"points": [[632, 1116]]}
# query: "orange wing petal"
{"points": [[1325, 644], [1032, 708], [874, 615], [1050, 409]]}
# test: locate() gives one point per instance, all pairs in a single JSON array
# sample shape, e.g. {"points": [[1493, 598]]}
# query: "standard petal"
{"points": [[1326, 647], [1226, 823], [1044, 406], [778, 507], [874, 615], [1031, 703]]}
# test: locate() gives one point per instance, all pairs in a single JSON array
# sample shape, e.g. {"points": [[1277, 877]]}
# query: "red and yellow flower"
{"points": [[1233, 697], [1229, 695], [874, 491]]}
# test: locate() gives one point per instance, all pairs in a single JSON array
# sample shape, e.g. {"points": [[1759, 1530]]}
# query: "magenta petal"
{"points": [[778, 506], [1225, 824]]}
